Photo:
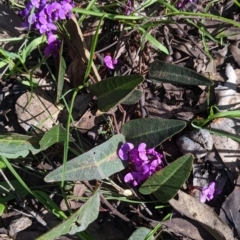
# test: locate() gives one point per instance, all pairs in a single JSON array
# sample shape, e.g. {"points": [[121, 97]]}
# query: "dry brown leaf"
{"points": [[202, 213], [235, 51], [217, 27], [229, 212], [189, 228], [79, 189], [228, 149], [189, 50], [88, 121], [72, 204], [90, 31], [76, 71], [36, 110], [80, 44]]}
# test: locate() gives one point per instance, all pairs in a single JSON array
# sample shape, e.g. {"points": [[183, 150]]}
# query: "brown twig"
{"points": [[105, 201]]}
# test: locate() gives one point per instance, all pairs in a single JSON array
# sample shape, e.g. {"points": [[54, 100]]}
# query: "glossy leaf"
{"points": [[152, 131], [112, 91], [165, 183], [133, 97], [17, 145], [98, 163], [78, 221], [171, 73], [140, 234], [54, 135]]}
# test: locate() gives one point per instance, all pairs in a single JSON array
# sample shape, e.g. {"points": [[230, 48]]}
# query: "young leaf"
{"points": [[171, 73], [153, 41], [112, 91], [140, 234], [78, 221], [54, 135], [165, 183], [98, 163], [152, 131], [16, 145]]}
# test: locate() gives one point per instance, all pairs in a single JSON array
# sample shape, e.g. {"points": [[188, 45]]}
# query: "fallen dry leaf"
{"points": [[80, 44], [36, 110], [235, 51], [188, 228], [229, 212], [202, 213]]}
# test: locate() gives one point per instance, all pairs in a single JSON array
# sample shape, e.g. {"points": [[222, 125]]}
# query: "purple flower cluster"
{"points": [[145, 162], [183, 3], [43, 15], [208, 192]]}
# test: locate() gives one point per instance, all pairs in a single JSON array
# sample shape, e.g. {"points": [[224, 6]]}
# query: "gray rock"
{"points": [[203, 137], [186, 145]]}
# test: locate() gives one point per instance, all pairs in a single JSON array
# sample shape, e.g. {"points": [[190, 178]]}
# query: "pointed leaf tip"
{"points": [[171, 73]]}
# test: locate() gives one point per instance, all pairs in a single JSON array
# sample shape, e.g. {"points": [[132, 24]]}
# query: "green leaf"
{"points": [[165, 183], [10, 195], [49, 203], [2, 208], [31, 46], [98, 163], [54, 135], [7, 54], [171, 73], [152, 131], [2, 164], [61, 74], [153, 41], [140, 234], [132, 98], [17, 145], [112, 91], [78, 221]]}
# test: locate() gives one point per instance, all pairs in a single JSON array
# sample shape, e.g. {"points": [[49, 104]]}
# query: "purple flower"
{"points": [[110, 62], [145, 162], [51, 37], [43, 17], [53, 10], [35, 3], [135, 158], [24, 13], [32, 18], [128, 8], [183, 3], [208, 192], [65, 11], [48, 27], [52, 49], [132, 177], [124, 150]]}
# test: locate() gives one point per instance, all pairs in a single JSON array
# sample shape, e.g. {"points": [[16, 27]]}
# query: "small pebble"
{"points": [[19, 225]]}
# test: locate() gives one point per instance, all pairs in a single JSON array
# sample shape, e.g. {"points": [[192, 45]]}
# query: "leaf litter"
{"points": [[37, 112]]}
